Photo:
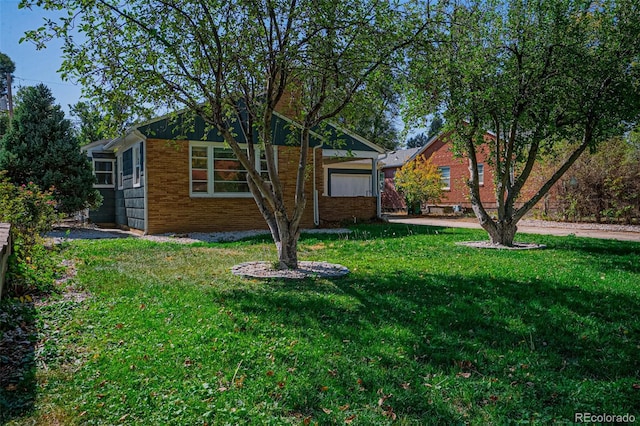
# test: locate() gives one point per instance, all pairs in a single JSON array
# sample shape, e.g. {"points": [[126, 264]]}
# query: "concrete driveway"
{"points": [[590, 230]]}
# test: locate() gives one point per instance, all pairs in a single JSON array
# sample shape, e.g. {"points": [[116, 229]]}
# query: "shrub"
{"points": [[31, 213]]}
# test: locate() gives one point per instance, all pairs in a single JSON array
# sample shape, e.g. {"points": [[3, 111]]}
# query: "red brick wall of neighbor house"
{"points": [[441, 155], [171, 209], [392, 201]]}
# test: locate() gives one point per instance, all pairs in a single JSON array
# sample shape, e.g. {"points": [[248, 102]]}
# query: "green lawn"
{"points": [[422, 331]]}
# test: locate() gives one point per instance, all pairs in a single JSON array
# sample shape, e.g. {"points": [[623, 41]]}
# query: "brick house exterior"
{"points": [[154, 185], [439, 151]]}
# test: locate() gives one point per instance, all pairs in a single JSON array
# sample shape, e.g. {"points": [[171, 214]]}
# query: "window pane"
{"points": [[199, 163], [199, 187], [223, 153], [230, 164], [230, 175], [230, 187], [103, 166], [199, 151], [104, 178], [199, 174]]}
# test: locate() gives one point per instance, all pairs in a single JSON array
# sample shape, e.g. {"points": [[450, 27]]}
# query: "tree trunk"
{"points": [[501, 232], [287, 248]]}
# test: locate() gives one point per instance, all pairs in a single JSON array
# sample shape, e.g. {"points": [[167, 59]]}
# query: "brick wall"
{"points": [[339, 209], [171, 209], [440, 154]]}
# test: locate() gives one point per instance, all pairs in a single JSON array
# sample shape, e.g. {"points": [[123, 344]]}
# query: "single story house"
{"points": [[454, 170], [156, 182]]}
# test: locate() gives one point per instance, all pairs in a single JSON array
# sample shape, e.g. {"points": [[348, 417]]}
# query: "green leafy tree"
{"points": [[233, 62], [7, 66], [90, 125], [534, 73], [419, 181], [40, 148], [373, 111]]}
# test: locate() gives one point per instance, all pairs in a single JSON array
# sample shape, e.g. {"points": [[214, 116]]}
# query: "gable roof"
{"points": [[181, 127], [399, 157]]}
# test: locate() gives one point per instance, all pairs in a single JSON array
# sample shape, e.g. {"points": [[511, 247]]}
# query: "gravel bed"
{"points": [[305, 269], [571, 225], [89, 232]]}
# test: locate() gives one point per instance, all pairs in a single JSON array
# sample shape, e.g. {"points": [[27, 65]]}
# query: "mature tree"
{"points": [[435, 126], [233, 61], [90, 125], [419, 181], [373, 111], [416, 141], [40, 148], [534, 73], [7, 66]]}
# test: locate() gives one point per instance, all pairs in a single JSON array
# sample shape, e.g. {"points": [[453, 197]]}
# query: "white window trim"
{"points": [[480, 175], [113, 175], [120, 176], [137, 164], [448, 187], [210, 193]]}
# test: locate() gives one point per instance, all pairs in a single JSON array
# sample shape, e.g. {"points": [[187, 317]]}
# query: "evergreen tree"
{"points": [[40, 148], [416, 141]]}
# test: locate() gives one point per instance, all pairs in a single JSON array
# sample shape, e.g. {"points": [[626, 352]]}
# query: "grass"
{"points": [[422, 331]]}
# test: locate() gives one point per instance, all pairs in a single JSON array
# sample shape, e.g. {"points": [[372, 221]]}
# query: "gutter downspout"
{"points": [[316, 208], [378, 191]]}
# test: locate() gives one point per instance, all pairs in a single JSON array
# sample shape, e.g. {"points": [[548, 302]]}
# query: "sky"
{"points": [[34, 66]]}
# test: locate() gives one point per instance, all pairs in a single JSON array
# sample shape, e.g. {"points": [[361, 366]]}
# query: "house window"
{"points": [[120, 173], [481, 174], [138, 169], [104, 173], [216, 171], [445, 176]]}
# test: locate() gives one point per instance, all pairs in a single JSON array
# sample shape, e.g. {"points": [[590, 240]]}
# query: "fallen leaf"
{"points": [[188, 362], [11, 387], [388, 412], [383, 399], [82, 414], [281, 385], [465, 375], [324, 388], [333, 373], [270, 373], [344, 407], [123, 418], [327, 411], [119, 325], [349, 419], [142, 306], [636, 385], [406, 386], [306, 421]]}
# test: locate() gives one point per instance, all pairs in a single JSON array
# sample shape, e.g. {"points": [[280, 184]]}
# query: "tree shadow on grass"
{"points": [[17, 359], [543, 338]]}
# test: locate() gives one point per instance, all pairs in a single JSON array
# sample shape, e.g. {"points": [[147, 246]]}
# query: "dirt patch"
{"points": [[490, 245], [305, 270]]}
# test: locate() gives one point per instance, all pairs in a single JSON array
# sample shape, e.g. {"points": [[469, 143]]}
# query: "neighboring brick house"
{"points": [[454, 169], [153, 182]]}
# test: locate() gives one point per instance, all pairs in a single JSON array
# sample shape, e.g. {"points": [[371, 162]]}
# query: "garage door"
{"points": [[346, 185]]}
